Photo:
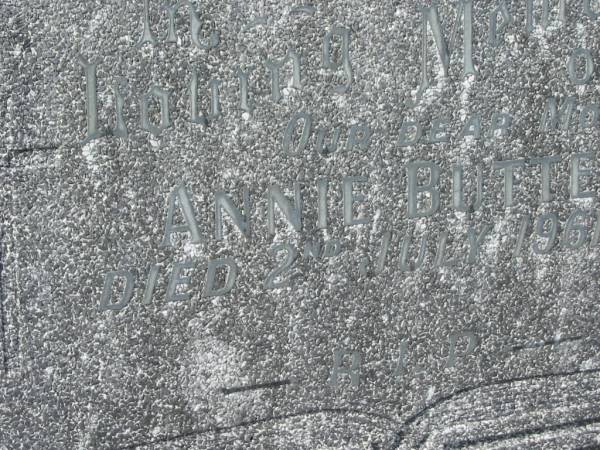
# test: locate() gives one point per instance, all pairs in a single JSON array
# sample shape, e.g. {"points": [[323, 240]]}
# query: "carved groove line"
{"points": [[36, 149], [547, 343], [398, 436], [310, 412], [2, 309], [524, 433], [459, 392], [253, 387]]}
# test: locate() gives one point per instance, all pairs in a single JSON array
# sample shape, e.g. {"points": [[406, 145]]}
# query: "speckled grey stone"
{"points": [[254, 369]]}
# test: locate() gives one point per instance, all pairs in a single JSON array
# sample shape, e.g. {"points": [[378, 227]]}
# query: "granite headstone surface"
{"points": [[282, 225]]}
